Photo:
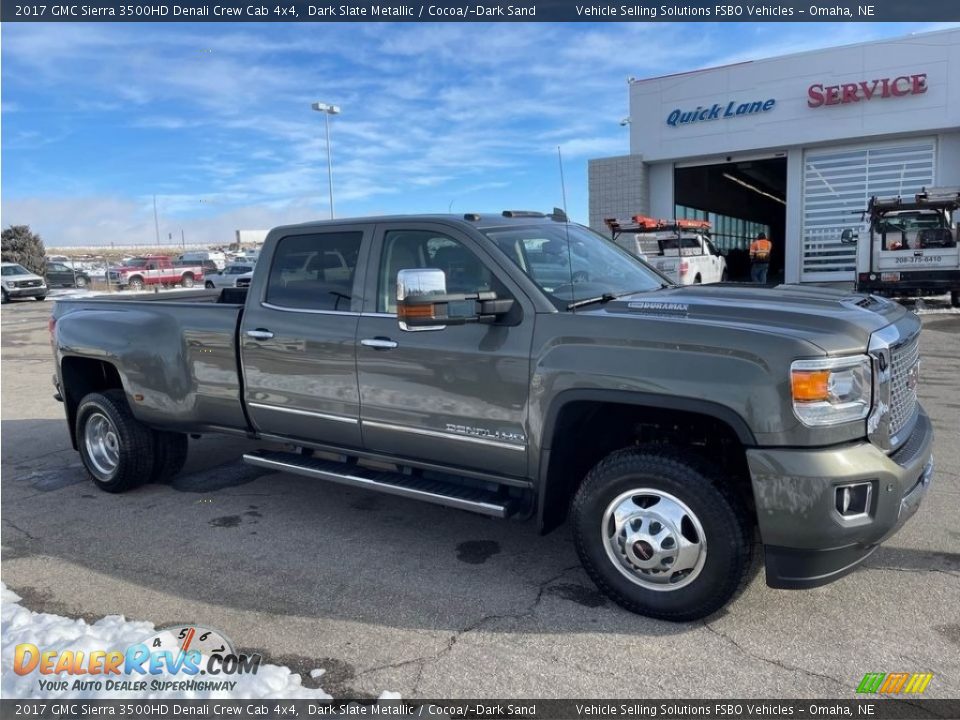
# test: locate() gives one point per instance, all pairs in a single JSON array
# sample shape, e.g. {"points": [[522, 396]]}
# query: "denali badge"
{"points": [[485, 433]]}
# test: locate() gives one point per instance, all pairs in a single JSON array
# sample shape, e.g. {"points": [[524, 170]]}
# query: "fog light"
{"points": [[853, 501]]}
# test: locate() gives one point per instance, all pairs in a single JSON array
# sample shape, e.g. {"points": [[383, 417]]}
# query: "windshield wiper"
{"points": [[605, 298]]}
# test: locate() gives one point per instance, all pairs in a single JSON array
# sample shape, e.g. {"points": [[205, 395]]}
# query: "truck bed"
{"points": [[224, 296], [176, 352]]}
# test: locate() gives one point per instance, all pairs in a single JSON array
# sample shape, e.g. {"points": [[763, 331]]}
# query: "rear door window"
{"points": [[315, 272]]}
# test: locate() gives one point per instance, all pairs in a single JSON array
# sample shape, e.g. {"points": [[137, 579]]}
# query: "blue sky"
{"points": [[215, 118]]}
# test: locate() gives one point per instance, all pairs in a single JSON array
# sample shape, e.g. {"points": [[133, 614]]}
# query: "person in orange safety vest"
{"points": [[760, 259]]}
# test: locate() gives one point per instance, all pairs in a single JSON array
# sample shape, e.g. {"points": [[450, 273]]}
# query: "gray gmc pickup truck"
{"points": [[519, 365]]}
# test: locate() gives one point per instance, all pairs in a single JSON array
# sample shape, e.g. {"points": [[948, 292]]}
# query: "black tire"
{"points": [[134, 442], [82, 281], [170, 455], [40, 298], [187, 280], [723, 276], [955, 298], [5, 298], [726, 532], [697, 280], [135, 283], [209, 285]]}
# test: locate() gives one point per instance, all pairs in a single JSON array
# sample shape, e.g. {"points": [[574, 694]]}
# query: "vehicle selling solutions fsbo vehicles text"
{"points": [[655, 11]]}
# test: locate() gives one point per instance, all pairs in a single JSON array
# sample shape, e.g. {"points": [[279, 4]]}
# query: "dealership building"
{"points": [[793, 145]]}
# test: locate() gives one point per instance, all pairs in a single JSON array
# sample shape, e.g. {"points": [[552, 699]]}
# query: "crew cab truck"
{"points": [[680, 249], [140, 272], [912, 245], [453, 364]]}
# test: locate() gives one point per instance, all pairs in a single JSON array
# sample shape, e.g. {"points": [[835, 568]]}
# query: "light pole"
{"points": [[327, 111]]}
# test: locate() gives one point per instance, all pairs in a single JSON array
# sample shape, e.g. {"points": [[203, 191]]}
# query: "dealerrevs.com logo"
{"points": [[181, 658]]}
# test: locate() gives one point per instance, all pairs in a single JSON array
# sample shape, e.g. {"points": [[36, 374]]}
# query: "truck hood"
{"points": [[837, 321]]}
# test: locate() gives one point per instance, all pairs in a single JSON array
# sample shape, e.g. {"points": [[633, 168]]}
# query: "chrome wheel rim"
{"points": [[103, 444], [654, 539]]}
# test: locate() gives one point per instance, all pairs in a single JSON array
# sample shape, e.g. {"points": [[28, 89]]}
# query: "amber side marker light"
{"points": [[810, 385]]}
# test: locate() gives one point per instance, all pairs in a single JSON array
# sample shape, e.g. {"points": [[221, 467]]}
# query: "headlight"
{"points": [[830, 391]]}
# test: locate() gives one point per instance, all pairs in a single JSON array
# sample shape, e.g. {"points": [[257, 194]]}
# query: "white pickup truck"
{"points": [[680, 249], [912, 245]]}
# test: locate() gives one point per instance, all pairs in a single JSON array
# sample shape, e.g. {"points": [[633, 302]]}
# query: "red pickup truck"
{"points": [[136, 273]]}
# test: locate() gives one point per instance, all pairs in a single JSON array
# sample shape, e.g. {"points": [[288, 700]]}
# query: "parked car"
{"points": [[139, 272], [209, 266], [60, 274], [680, 249], [665, 424], [228, 277], [218, 258], [18, 282]]}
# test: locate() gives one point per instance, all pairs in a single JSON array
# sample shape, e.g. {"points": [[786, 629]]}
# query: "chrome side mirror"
{"points": [[423, 302], [416, 292], [849, 237]]}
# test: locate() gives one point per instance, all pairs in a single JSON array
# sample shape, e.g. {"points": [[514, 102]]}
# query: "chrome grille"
{"points": [[903, 397]]}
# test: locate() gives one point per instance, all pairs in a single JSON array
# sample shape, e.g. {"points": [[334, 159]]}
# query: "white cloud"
{"points": [[431, 112]]}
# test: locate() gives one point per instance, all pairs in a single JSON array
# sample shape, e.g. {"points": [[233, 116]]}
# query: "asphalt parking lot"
{"points": [[390, 594]]}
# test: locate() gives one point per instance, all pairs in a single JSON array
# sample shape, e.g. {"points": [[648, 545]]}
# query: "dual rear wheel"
{"points": [[118, 451]]}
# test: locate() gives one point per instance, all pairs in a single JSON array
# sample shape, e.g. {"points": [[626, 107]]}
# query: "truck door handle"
{"points": [[259, 334], [379, 343]]}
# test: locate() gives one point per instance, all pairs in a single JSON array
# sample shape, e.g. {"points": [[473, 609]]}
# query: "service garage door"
{"points": [[838, 183]]}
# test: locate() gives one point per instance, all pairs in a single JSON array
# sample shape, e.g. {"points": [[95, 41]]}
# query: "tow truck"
{"points": [[680, 249], [913, 245]]}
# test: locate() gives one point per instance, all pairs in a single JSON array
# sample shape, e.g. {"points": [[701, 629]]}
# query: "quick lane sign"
{"points": [[719, 112]]}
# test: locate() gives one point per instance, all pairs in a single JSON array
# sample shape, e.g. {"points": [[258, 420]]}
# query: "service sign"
{"points": [[819, 94]]}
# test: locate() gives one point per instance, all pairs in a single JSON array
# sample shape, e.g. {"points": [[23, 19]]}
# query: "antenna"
{"points": [[566, 224]]}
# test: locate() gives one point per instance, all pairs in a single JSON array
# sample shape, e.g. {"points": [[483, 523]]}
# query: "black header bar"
{"points": [[479, 11], [865, 709]]}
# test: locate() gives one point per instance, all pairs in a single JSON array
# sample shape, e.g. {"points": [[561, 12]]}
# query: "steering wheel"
{"points": [[580, 276]]}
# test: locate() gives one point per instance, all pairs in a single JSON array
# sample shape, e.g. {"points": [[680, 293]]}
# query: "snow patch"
{"points": [[114, 632]]}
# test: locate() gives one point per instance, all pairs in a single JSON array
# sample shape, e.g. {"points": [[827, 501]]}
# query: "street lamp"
{"points": [[327, 111]]}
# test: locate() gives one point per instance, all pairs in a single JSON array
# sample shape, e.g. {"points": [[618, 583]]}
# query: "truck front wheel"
{"points": [[659, 536], [955, 298], [187, 280], [135, 283], [116, 449]]}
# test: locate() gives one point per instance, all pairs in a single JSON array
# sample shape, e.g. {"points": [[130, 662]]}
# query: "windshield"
{"points": [[589, 266], [14, 270], [901, 222], [134, 262], [238, 269]]}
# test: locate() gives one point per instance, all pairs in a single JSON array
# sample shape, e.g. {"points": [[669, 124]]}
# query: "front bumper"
{"points": [[913, 281], [806, 541], [38, 291]]}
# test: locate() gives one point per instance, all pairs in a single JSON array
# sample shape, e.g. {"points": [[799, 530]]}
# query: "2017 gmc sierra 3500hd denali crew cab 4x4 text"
{"points": [[665, 424]]}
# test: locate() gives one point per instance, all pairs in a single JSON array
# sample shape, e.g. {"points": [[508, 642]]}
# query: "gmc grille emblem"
{"points": [[913, 377]]}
